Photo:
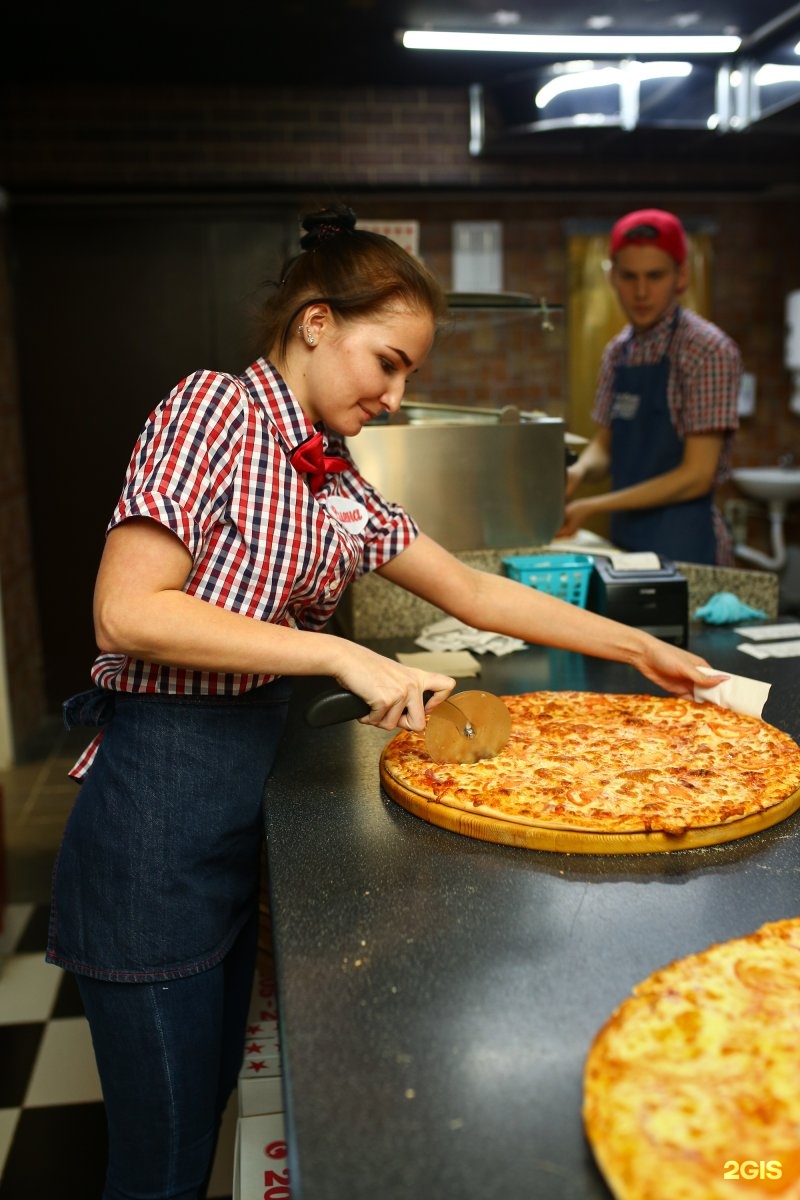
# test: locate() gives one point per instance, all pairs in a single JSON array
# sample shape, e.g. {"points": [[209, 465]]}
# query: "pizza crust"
{"points": [[597, 763], [696, 1074]]}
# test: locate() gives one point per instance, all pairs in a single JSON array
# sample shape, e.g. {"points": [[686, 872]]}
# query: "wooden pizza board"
{"points": [[572, 841]]}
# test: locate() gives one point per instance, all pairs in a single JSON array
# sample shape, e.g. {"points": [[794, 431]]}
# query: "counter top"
{"points": [[438, 994]]}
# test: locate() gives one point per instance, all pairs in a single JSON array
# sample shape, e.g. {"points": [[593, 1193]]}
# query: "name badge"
{"points": [[625, 406], [349, 513]]}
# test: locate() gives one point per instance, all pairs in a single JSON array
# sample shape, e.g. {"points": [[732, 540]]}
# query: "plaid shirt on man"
{"points": [[704, 377]]}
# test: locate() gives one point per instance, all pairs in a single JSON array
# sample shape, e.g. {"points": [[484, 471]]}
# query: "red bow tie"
{"points": [[310, 459]]}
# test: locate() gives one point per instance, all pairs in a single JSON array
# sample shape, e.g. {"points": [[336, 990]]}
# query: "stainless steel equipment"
{"points": [[470, 479]]}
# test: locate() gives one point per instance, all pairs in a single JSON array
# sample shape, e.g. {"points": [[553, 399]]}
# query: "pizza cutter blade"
{"points": [[467, 727]]}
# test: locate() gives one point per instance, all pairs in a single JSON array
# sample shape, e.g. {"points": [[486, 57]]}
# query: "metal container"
{"points": [[471, 484]]}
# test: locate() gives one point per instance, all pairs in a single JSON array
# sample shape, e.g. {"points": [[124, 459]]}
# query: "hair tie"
{"points": [[324, 232], [330, 223]]}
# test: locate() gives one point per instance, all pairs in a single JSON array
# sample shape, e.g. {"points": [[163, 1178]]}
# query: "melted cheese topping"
{"points": [[698, 1073], [613, 763]]}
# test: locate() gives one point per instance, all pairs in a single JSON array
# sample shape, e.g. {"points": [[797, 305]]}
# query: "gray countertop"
{"points": [[438, 994]]}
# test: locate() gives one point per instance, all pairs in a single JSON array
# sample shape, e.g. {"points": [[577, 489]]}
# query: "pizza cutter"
{"points": [[464, 729], [467, 727]]}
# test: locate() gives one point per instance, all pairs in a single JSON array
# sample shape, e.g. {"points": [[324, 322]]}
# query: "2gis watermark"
{"points": [[771, 1176]]}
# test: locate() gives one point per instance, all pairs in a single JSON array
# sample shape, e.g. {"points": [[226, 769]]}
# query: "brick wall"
{"points": [[218, 136]]}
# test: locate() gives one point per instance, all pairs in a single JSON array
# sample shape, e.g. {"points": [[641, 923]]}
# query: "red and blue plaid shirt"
{"points": [[212, 465], [704, 378]]}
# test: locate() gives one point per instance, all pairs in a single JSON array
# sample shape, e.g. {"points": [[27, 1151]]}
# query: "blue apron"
{"points": [[159, 863], [644, 444]]}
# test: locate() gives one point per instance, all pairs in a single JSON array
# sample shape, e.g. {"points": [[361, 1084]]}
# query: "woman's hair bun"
{"points": [[329, 223]]}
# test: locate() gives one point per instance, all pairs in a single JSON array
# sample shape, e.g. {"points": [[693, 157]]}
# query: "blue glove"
{"points": [[723, 608]]}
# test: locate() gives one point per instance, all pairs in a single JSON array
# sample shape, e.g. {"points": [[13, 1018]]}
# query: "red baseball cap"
{"points": [[650, 227]]}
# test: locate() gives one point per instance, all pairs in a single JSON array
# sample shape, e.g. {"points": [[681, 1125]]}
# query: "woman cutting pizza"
{"points": [[241, 522]]}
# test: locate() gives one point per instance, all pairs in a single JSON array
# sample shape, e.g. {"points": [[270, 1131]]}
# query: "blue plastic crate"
{"points": [[562, 575]]}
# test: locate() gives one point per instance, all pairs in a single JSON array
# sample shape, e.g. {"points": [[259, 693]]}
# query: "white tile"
{"points": [[28, 987], [221, 1183], [8, 1123], [64, 1071], [260, 1086], [15, 919]]}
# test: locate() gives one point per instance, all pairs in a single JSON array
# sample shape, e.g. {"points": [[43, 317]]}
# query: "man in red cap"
{"points": [[666, 406]]}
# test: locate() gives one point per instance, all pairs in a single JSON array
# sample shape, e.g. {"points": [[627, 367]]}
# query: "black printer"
{"points": [[655, 600]]}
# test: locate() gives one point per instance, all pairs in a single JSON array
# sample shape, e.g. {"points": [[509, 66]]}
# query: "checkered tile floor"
{"points": [[52, 1124]]}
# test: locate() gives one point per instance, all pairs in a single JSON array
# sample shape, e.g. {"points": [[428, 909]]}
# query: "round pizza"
{"points": [[691, 1088], [597, 763]]}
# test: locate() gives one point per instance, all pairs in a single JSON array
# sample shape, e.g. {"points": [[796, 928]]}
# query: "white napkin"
{"points": [[459, 664], [746, 696], [640, 560], [789, 649], [769, 633], [452, 634]]}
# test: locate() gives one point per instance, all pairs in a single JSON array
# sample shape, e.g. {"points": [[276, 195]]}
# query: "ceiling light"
{"points": [[610, 76], [543, 43], [684, 20], [776, 73], [504, 17]]}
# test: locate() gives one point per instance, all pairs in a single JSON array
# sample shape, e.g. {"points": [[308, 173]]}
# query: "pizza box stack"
{"points": [[260, 1089], [260, 1167], [260, 1161]]}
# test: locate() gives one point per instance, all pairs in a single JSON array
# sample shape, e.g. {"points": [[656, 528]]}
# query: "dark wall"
{"points": [[113, 309]]}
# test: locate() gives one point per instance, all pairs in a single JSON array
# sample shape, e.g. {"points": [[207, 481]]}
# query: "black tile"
{"points": [[68, 999], [18, 1047], [34, 935], [59, 1151]]}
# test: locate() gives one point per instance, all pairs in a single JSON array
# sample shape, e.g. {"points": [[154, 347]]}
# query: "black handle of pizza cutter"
{"points": [[336, 704]]}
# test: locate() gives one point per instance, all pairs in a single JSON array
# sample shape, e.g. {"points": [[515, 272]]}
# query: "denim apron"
{"points": [[159, 864], [644, 444]]}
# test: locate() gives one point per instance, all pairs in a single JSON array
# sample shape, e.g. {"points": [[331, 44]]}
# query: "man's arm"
{"points": [[593, 462], [694, 476]]}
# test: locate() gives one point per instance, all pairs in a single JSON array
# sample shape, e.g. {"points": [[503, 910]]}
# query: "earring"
{"points": [[301, 329]]}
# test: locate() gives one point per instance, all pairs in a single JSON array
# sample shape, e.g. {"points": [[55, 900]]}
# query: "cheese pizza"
{"points": [[617, 764], [691, 1087]]}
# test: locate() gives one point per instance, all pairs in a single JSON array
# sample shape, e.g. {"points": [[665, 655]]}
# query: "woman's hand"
{"points": [[393, 692], [673, 669]]}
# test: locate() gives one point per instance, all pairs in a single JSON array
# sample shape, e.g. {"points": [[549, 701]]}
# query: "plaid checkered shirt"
{"points": [[704, 378], [212, 465]]}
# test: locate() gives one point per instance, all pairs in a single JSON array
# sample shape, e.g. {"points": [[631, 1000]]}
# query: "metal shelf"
{"points": [[508, 304]]}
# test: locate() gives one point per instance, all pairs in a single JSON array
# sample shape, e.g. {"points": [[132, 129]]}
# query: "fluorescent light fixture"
{"points": [[544, 43], [776, 73], [610, 77]]}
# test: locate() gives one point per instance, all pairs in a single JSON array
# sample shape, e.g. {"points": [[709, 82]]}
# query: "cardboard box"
{"points": [[260, 1162], [260, 1088]]}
